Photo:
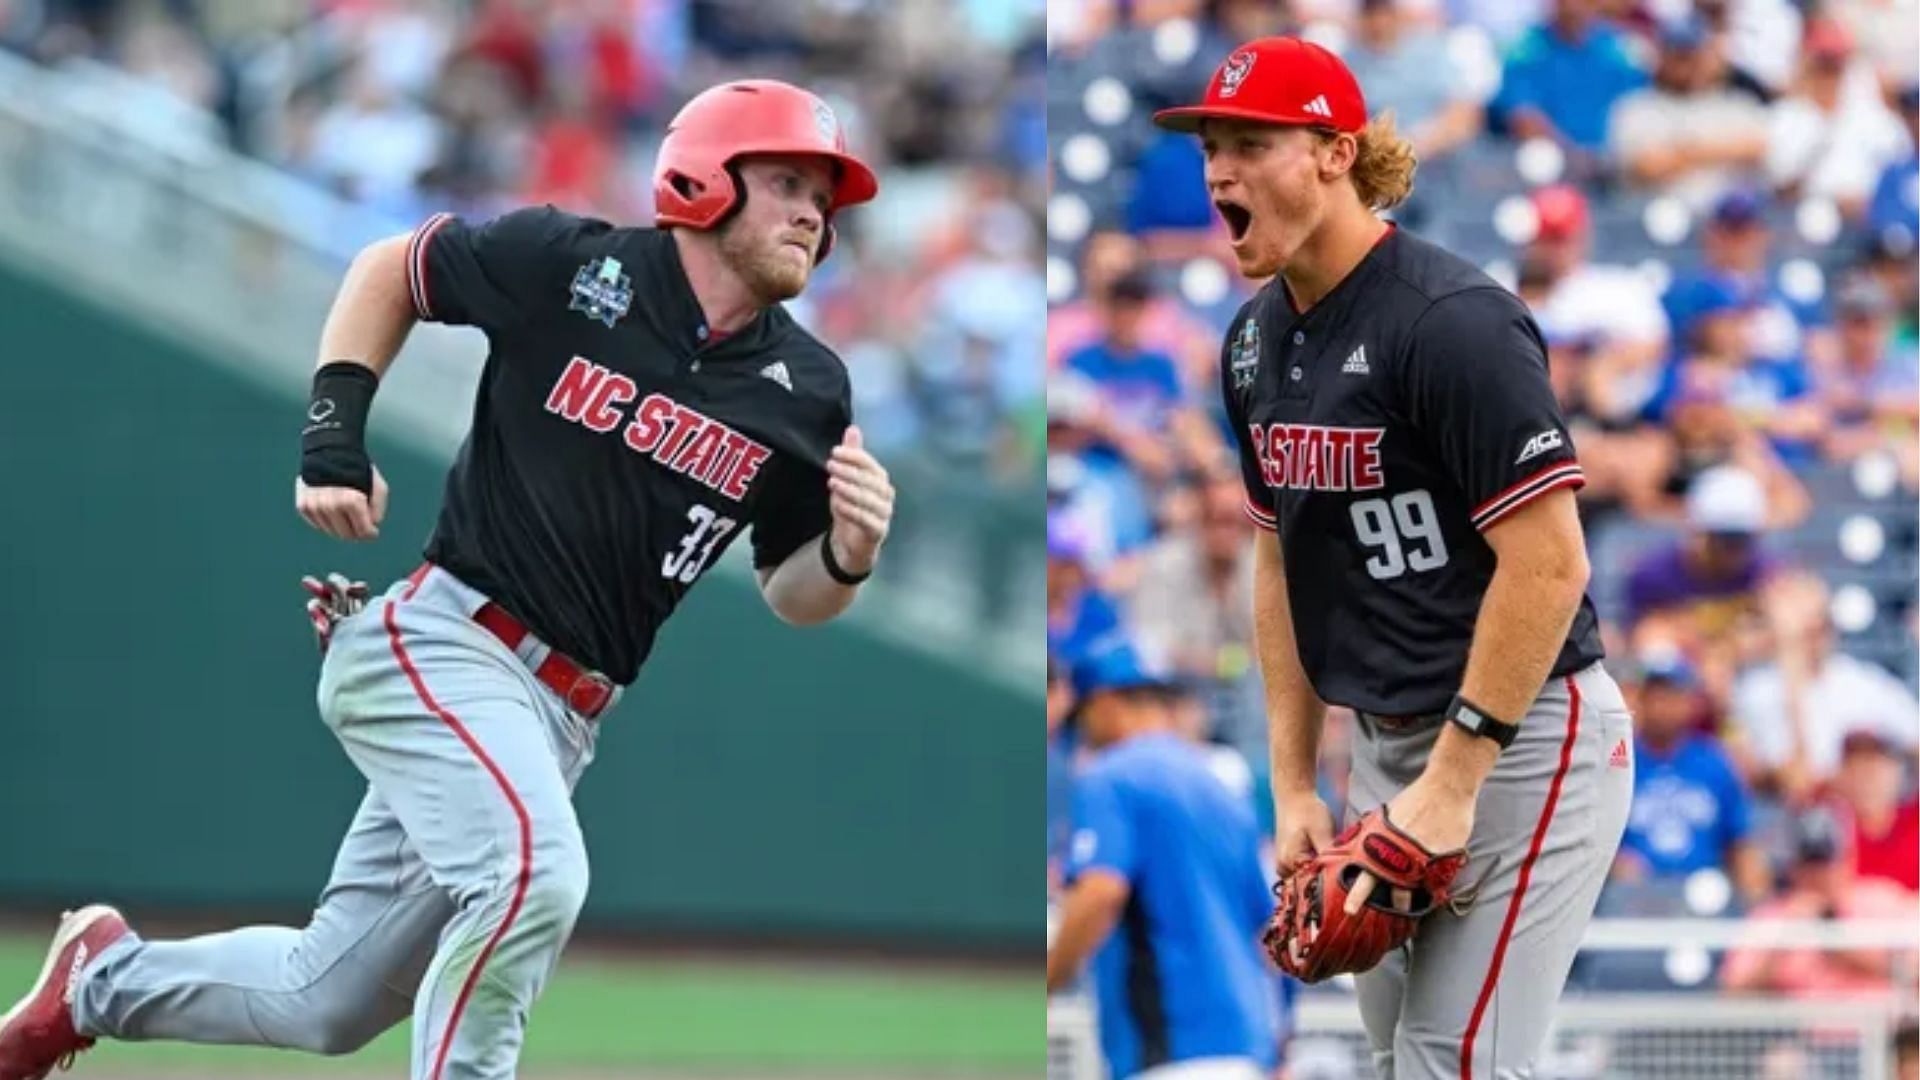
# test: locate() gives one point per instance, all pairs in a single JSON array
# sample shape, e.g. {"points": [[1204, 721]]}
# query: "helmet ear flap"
{"points": [[736, 198], [701, 198]]}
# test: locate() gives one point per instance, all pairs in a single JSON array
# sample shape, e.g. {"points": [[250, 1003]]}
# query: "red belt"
{"points": [[585, 692]]}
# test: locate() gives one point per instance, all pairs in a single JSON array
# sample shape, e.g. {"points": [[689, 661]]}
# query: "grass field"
{"points": [[724, 1018]]}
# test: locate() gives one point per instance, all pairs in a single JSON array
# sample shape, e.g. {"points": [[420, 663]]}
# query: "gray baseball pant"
{"points": [[456, 886], [1472, 996]]}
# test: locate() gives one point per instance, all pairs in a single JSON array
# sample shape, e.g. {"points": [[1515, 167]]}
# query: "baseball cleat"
{"points": [[37, 1033]]}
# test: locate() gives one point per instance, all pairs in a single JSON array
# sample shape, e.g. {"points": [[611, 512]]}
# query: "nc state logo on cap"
{"points": [[1301, 83], [1235, 71], [825, 124]]}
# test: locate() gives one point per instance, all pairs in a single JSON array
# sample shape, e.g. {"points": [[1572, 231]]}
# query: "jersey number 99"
{"points": [[1403, 534], [709, 528]]}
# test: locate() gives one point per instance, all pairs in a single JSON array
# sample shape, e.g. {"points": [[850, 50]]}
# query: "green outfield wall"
{"points": [[157, 675]]}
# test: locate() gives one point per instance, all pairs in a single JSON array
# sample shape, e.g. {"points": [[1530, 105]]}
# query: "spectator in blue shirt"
{"points": [[1093, 484], [1771, 395], [1078, 616], [1170, 210], [1562, 78], [1896, 198], [1735, 252], [1690, 808], [1167, 893], [1145, 413], [1139, 386]]}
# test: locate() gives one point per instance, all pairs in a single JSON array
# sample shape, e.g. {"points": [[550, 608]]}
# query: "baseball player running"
{"points": [[1399, 439], [645, 401]]}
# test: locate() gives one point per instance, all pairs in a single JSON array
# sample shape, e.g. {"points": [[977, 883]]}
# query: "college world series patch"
{"points": [[1243, 360], [601, 291]]}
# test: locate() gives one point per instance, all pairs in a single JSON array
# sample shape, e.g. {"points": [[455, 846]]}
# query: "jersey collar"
{"points": [[1359, 269], [681, 316]]}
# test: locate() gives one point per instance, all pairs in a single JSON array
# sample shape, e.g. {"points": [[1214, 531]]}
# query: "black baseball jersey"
{"points": [[1380, 433], [617, 447]]}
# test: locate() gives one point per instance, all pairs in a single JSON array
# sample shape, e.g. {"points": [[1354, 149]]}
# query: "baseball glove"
{"points": [[1311, 936], [330, 601]]}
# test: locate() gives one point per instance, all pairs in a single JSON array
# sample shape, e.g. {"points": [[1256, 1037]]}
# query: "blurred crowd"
{"points": [[1711, 208], [409, 107]]}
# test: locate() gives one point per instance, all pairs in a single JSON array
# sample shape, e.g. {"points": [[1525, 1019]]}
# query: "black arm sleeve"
{"points": [[1475, 379], [1259, 498], [493, 275]]}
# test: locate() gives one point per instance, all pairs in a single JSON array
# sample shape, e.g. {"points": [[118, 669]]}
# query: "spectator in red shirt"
{"points": [[1886, 829], [505, 33], [573, 155], [1822, 887]]}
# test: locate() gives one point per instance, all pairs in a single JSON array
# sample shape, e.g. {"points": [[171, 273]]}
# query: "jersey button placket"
{"points": [[1296, 373], [693, 365]]}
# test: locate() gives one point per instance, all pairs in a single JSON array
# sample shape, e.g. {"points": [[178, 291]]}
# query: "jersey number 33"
{"points": [[683, 564]]}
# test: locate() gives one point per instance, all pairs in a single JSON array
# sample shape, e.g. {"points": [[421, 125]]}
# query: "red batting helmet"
{"points": [[693, 181]]}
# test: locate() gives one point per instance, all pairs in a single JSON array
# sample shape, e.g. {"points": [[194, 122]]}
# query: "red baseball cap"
{"points": [[1827, 38], [1561, 210], [1277, 80]]}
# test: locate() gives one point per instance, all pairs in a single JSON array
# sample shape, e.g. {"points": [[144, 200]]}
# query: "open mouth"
{"points": [[1238, 218]]}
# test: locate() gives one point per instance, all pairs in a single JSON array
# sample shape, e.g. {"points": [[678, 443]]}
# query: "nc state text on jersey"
{"points": [[679, 438], [1309, 457]]}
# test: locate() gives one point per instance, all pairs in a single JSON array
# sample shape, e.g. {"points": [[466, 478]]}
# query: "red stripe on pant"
{"points": [[1520, 889], [513, 800]]}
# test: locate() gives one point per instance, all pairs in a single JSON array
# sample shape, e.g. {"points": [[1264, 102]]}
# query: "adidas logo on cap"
{"points": [[1318, 107]]}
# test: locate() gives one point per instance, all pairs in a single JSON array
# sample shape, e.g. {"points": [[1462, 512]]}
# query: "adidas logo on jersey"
{"points": [[777, 371], [1357, 363], [1621, 758], [1549, 439], [1318, 107]]}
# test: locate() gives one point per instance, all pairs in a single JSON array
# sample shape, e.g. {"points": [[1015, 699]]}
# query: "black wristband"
{"points": [[333, 447], [1478, 721], [834, 569]]}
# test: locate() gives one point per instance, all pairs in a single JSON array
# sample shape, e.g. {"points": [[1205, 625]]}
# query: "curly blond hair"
{"points": [[1383, 169]]}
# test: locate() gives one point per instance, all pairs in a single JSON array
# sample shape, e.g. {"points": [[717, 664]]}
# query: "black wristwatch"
{"points": [[1476, 721]]}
